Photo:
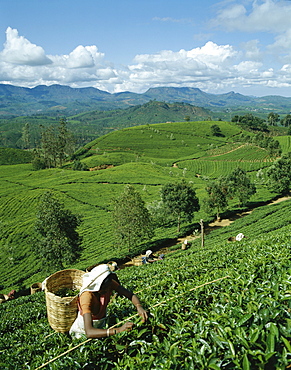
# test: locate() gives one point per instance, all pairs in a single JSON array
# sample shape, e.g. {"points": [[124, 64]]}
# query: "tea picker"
{"points": [[95, 293]]}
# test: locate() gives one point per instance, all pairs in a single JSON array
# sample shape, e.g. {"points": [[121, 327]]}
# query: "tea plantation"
{"points": [[227, 306], [224, 306]]}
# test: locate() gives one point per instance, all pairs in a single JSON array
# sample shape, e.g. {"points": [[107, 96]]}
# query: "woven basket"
{"points": [[62, 311], [3, 298], [36, 287]]}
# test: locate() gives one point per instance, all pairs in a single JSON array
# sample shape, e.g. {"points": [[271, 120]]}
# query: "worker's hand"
{"points": [[126, 327], [142, 313]]}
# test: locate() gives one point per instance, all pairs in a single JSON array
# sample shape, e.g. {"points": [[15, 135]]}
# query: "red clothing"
{"points": [[95, 303]]}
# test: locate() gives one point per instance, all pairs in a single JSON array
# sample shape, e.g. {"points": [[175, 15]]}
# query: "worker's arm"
{"points": [[92, 332], [134, 299]]}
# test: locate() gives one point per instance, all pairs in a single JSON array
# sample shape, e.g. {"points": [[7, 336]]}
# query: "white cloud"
{"points": [[263, 15], [211, 67], [18, 50], [252, 50]]}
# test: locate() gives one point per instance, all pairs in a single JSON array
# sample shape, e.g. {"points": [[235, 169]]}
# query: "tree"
{"points": [[279, 175], [66, 141], [25, 136], [216, 131], [273, 118], [181, 201], [251, 122], [217, 197], [238, 184], [132, 223], [58, 241], [57, 143], [286, 121]]}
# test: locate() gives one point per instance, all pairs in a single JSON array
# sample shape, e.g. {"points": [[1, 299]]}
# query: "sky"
{"points": [[133, 45]]}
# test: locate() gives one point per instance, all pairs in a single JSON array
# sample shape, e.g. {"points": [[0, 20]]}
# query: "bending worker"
{"points": [[97, 288]]}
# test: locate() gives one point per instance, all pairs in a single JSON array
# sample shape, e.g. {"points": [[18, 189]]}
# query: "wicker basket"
{"points": [[62, 311], [3, 298], [36, 287]]}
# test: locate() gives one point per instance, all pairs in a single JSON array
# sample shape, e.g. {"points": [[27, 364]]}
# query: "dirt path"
{"points": [[136, 261]]}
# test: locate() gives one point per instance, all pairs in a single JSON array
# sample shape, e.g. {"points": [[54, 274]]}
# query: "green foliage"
{"points": [[59, 242], [216, 131], [273, 118], [14, 156], [181, 201], [242, 321], [249, 121], [217, 199], [132, 223], [286, 121], [38, 164], [238, 184], [57, 143], [280, 174]]}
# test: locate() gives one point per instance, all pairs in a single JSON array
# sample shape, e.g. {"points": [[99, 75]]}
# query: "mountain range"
{"points": [[56, 99]]}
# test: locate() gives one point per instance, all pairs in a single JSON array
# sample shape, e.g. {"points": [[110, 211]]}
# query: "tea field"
{"points": [[224, 306], [146, 157]]}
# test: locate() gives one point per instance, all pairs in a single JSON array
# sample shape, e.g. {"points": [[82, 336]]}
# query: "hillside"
{"points": [[226, 306], [57, 99], [146, 157], [90, 125], [223, 306]]}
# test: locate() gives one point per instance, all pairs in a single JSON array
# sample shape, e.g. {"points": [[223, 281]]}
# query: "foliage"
{"points": [[217, 199], [56, 144], [249, 121], [242, 321], [14, 156], [132, 223], [216, 131], [181, 201], [273, 118], [286, 121], [79, 166], [238, 184], [59, 242], [280, 174]]}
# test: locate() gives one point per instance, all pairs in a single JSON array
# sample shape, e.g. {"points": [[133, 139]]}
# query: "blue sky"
{"points": [[133, 45]]}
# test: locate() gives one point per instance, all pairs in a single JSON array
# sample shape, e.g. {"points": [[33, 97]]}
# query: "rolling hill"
{"points": [[57, 99], [145, 156], [223, 306]]}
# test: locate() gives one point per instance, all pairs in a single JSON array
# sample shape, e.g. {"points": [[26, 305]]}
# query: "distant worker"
{"points": [[239, 237], [97, 288], [185, 244], [149, 257]]}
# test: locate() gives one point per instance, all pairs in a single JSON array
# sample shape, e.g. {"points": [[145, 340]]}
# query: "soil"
{"points": [[136, 261]]}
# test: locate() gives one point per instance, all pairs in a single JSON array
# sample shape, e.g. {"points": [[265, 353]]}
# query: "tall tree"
{"points": [[239, 185], [286, 121], [273, 118], [181, 201], [217, 197], [57, 143], [58, 241], [25, 136], [279, 175], [66, 141], [132, 223]]}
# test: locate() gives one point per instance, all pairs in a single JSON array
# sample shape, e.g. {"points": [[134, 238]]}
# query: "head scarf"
{"points": [[92, 280], [148, 253]]}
